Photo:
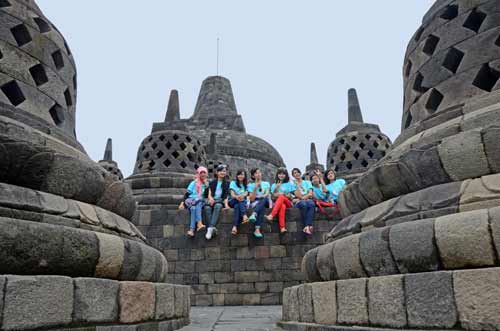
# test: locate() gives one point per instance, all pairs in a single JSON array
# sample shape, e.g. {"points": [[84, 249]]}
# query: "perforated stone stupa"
{"points": [[358, 145], [109, 164], [418, 244], [69, 255]]}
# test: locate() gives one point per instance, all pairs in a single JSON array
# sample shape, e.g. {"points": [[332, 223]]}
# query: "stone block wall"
{"points": [[232, 270]]}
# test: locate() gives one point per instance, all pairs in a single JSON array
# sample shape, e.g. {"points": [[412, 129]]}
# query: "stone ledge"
{"points": [[297, 326], [33, 302], [466, 299]]}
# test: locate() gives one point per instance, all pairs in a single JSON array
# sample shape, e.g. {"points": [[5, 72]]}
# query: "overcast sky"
{"points": [[290, 64]]}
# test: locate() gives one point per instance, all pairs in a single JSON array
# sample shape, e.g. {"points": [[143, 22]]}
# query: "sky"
{"points": [[290, 64]]}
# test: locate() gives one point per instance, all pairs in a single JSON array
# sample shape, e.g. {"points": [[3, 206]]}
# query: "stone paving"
{"points": [[243, 318]]}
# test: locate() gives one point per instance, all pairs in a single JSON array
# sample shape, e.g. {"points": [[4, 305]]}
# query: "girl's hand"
{"points": [[211, 201], [295, 200], [181, 206]]}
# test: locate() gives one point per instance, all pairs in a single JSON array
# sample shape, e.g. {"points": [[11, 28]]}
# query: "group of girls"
{"points": [[320, 191]]}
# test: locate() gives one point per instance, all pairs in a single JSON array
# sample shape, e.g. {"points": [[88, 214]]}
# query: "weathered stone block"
{"points": [[111, 249], [429, 300], [325, 263], [291, 304], [182, 301], [165, 301], [477, 293], [137, 302], [306, 309], [324, 297], [464, 240], [463, 156], [413, 247], [80, 251], [375, 253], [352, 301], [309, 267], [347, 258], [37, 302], [491, 136], [386, 299], [96, 300]]}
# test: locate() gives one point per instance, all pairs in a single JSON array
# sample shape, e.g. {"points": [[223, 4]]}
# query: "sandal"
{"points": [[245, 220], [307, 231], [190, 233], [282, 231], [200, 227], [269, 218], [234, 231]]}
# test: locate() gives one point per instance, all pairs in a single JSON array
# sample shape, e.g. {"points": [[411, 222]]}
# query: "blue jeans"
{"points": [[195, 214], [260, 209], [307, 208], [240, 209], [212, 214]]}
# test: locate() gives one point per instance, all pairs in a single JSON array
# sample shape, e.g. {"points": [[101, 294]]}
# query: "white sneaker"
{"points": [[209, 233]]}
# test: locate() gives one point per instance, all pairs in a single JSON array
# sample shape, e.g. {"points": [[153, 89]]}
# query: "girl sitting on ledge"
{"points": [[195, 200], [239, 193], [217, 198], [333, 185], [259, 199], [303, 200], [281, 193]]}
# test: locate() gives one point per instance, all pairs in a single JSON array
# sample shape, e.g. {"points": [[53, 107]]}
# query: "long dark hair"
{"points": [[245, 181], [327, 181], [282, 171], [252, 173]]}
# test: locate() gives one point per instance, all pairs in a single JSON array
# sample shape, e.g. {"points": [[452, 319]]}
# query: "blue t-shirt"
{"points": [[285, 188], [305, 186], [237, 190], [264, 186], [319, 193], [192, 190], [335, 188], [218, 191]]}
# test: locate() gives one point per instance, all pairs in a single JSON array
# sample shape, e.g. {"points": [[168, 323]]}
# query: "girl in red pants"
{"points": [[281, 192]]}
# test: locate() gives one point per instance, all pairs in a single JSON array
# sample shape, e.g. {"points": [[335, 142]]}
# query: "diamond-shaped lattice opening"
{"points": [[497, 42], [183, 146], [38, 74], [183, 164], [417, 84], [336, 168], [354, 138], [189, 139], [175, 154], [342, 157], [362, 145], [175, 137], [356, 155], [370, 154], [364, 163], [152, 164], [435, 99], [167, 163], [162, 137], [430, 45], [383, 153], [332, 162], [13, 92], [150, 138], [43, 26], [408, 121], [4, 3], [67, 97], [140, 166], [408, 68], [368, 136], [342, 141], [387, 146], [336, 150], [375, 144], [348, 165], [154, 145], [57, 114], [419, 33], [347, 147], [190, 157], [195, 149], [453, 59], [450, 12], [486, 78], [475, 20], [143, 148], [21, 34], [168, 145], [58, 59], [147, 155], [159, 154], [75, 82], [380, 137]]}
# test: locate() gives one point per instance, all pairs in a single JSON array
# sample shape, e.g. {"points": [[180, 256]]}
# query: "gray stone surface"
{"points": [[111, 250], [464, 240], [37, 302], [306, 307], [375, 254], [386, 301], [325, 302], [165, 301], [291, 304], [490, 140], [352, 302], [430, 300], [413, 246], [137, 302], [95, 300], [309, 266], [325, 263], [477, 293], [346, 257]]}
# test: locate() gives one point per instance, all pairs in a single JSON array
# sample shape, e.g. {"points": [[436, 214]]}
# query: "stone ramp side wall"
{"points": [[232, 270]]}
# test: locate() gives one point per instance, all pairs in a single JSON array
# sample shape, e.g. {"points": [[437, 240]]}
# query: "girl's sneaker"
{"points": [[258, 235], [307, 231], [210, 233], [253, 218]]}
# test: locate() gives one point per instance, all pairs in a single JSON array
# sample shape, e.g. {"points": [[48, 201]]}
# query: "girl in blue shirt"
{"points": [[239, 193], [303, 200], [195, 200], [281, 193], [333, 185], [259, 199], [320, 192]]}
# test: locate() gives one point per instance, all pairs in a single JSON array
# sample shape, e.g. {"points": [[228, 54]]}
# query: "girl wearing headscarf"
{"points": [[195, 200]]}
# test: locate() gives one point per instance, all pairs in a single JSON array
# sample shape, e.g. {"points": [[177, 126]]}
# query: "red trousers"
{"points": [[279, 209]]}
